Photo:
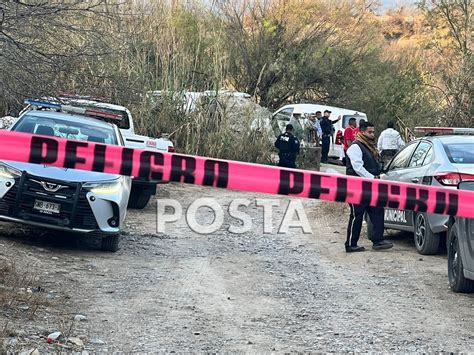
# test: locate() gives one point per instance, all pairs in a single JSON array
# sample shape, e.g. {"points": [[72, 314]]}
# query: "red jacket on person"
{"points": [[349, 135]]}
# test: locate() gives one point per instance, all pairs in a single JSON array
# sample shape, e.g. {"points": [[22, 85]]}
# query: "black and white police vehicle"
{"points": [[443, 157], [142, 190], [69, 200]]}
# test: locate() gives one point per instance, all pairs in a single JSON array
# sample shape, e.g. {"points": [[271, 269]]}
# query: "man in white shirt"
{"points": [[389, 142], [363, 160]]}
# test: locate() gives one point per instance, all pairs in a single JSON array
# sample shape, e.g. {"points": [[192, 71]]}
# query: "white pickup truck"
{"points": [[119, 115]]}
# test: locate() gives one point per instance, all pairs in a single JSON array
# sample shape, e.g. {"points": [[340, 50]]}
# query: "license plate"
{"points": [[46, 207]]}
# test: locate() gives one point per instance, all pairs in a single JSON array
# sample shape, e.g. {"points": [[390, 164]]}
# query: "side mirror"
{"points": [[466, 185]]}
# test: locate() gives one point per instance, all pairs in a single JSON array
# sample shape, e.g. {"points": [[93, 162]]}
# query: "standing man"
{"points": [[349, 135], [389, 142], [295, 121], [318, 126], [363, 160], [289, 147], [357, 130], [327, 130], [312, 130]]}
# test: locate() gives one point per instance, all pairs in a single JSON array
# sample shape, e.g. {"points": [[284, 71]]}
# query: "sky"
{"points": [[384, 4], [391, 4]]}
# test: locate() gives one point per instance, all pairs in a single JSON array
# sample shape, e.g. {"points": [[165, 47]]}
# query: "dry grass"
{"points": [[20, 294]]}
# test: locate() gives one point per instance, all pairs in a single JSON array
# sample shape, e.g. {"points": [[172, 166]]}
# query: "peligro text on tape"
{"points": [[152, 165]]}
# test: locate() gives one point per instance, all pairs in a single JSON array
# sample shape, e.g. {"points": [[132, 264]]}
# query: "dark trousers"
{"points": [[376, 215], [287, 160], [326, 141]]}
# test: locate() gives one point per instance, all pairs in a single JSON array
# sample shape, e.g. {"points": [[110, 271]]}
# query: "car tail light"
{"points": [[339, 137], [453, 179], [170, 149]]}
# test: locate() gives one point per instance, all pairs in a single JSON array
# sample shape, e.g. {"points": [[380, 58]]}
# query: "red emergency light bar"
{"points": [[113, 116]]}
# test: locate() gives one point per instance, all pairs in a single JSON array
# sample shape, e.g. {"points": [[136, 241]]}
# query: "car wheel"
{"points": [[110, 243], [457, 281], [138, 200], [426, 242]]}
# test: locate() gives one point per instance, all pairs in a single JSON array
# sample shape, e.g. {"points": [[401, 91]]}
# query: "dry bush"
{"points": [[217, 128], [42, 43]]}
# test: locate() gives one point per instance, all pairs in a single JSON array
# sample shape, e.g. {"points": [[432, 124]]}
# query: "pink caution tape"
{"points": [[234, 175]]}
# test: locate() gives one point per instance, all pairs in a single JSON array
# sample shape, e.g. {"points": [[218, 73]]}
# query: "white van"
{"points": [[336, 150]]}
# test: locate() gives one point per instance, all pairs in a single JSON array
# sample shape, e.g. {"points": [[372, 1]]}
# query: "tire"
{"points": [[138, 200], [457, 281], [110, 243], [426, 242]]}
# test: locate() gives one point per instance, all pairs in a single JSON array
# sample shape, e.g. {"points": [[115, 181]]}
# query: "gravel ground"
{"points": [[182, 291]]}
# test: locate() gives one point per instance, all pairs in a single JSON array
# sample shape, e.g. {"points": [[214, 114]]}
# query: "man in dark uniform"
{"points": [[289, 147], [327, 130], [363, 160]]}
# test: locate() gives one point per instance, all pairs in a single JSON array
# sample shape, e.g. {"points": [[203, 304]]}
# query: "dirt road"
{"points": [[183, 291]]}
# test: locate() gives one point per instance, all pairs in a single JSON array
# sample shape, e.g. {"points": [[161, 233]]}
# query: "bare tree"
{"points": [[452, 25], [42, 41]]}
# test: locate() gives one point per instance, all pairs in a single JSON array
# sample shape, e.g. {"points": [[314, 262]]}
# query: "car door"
{"points": [[466, 234], [467, 246], [399, 170], [419, 164]]}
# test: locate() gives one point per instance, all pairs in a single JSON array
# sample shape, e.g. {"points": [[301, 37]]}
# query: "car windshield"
{"points": [[460, 153], [56, 127]]}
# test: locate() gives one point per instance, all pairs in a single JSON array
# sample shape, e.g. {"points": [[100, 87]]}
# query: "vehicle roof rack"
{"points": [[435, 131]]}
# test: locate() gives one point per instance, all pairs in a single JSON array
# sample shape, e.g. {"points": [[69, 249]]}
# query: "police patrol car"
{"points": [[66, 199], [444, 157]]}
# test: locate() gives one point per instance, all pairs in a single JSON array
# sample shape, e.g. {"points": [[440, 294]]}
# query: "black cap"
{"points": [[327, 111], [289, 127]]}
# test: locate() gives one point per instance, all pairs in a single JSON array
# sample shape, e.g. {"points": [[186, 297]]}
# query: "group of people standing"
{"points": [[318, 128], [364, 157]]}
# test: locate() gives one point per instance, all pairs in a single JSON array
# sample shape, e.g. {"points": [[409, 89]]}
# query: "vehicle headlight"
{"points": [[106, 187], [7, 172]]}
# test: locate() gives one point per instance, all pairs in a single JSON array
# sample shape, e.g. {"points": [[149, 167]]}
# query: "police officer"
{"points": [[289, 147], [363, 160], [327, 131]]}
